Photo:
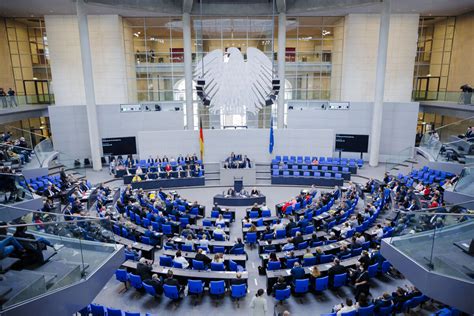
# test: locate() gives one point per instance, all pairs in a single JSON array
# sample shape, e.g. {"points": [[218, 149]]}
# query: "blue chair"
{"points": [[177, 265], [251, 238], [217, 266], [195, 287], [281, 233], [372, 270], [385, 311], [329, 314], [352, 313], [188, 248], [281, 295], [217, 288], [303, 245], [122, 276], [97, 310], [218, 249], [131, 314], [356, 251], [167, 230], [326, 258], [198, 265], [339, 280], [171, 291], [321, 284], [309, 262], [166, 261], [309, 230], [301, 286], [145, 240], [215, 214], [206, 223], [266, 213], [366, 311], [294, 231], [238, 291], [274, 265], [233, 266], [219, 237], [150, 290], [291, 262], [135, 281], [385, 267], [253, 214]]}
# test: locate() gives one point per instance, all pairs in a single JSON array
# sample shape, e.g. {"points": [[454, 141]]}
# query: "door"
{"points": [[37, 91], [426, 88]]}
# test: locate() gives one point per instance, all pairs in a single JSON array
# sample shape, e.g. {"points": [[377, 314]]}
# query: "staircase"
{"points": [[263, 173], [212, 173]]}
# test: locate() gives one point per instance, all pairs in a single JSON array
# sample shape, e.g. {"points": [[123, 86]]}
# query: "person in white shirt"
{"points": [[379, 231], [419, 187], [278, 226], [345, 308], [204, 242], [360, 239], [180, 259], [264, 207], [220, 220], [139, 171], [220, 231], [345, 228], [353, 221], [189, 240]]}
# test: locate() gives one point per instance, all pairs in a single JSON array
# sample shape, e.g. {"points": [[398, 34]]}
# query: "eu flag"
{"points": [[272, 141]]}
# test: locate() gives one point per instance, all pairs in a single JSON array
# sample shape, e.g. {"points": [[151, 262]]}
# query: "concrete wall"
{"points": [[461, 70], [108, 59], [361, 33], [70, 131], [252, 142], [398, 127]]}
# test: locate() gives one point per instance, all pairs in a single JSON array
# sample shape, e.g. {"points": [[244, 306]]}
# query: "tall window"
{"points": [[435, 42], [30, 59], [154, 54], [314, 57]]}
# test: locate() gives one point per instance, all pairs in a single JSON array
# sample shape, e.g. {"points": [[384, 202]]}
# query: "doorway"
{"points": [[427, 88], [37, 91]]}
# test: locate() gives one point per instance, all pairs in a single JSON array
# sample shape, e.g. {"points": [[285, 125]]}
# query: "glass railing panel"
{"points": [[13, 189], [52, 251], [465, 184], [398, 158], [458, 97], [20, 101]]}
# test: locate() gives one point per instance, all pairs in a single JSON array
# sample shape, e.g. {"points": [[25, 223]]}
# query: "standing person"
{"points": [[259, 304], [3, 96], [12, 97]]}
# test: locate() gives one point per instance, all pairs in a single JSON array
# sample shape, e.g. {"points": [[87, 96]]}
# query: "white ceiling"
{"points": [[27, 8]]}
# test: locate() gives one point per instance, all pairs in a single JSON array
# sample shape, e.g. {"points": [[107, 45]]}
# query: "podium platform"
{"points": [[248, 175], [223, 200]]}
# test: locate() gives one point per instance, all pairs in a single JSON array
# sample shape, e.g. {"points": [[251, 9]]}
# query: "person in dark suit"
{"points": [[269, 247], [362, 285], [202, 257], [365, 259], [336, 268], [144, 269], [297, 272], [279, 285], [344, 251], [238, 245], [297, 239], [156, 283], [170, 280], [290, 226], [238, 280]]}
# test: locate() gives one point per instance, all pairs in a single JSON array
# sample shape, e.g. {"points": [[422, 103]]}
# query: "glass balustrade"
{"points": [[13, 189], [465, 183], [51, 251], [22, 101], [436, 238], [458, 97], [404, 155]]}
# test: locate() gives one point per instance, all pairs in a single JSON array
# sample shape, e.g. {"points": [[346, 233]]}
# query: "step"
{"points": [[63, 272], [21, 285], [213, 182]]}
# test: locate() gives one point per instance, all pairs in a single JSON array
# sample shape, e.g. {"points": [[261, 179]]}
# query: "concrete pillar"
{"points": [[89, 85], [376, 130], [188, 70], [281, 67]]}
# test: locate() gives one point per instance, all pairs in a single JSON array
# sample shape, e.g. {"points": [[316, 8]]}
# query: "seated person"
{"points": [[336, 268], [297, 272], [344, 308], [269, 247], [170, 280], [288, 246], [156, 283], [200, 256], [8, 244], [255, 192], [129, 251], [220, 220], [238, 280], [204, 242], [180, 259], [220, 231], [144, 269], [238, 245], [21, 233], [308, 253], [279, 285]]}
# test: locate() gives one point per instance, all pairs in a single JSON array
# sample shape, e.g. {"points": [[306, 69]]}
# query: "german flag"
{"points": [[201, 139]]}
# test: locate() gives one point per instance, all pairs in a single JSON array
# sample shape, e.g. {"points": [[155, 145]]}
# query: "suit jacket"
{"points": [[203, 258], [144, 271], [156, 285]]}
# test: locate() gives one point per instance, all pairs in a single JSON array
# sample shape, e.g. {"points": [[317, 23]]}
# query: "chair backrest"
{"points": [[238, 291], [171, 291], [266, 213], [217, 287], [386, 266], [121, 275], [188, 248], [177, 265], [351, 313], [251, 238], [366, 311], [321, 284], [97, 310], [281, 295], [219, 237], [372, 270], [131, 314], [340, 279], [326, 258], [198, 265], [309, 262], [166, 261], [385, 311], [135, 281], [291, 262], [149, 289], [253, 214], [218, 249], [206, 222], [281, 233], [166, 229], [215, 214], [195, 286], [301, 285], [303, 245], [217, 266], [274, 265]]}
